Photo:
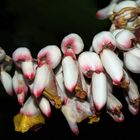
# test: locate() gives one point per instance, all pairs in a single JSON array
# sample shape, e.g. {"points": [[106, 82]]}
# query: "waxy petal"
{"points": [[102, 40], [6, 81], [70, 73], [125, 40], [89, 62], [50, 55], [132, 62], [74, 41], [40, 80], [112, 65], [45, 106], [30, 107], [99, 94]]}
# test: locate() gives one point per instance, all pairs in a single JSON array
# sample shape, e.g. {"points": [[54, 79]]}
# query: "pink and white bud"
{"points": [[23, 59], [19, 84], [21, 98], [99, 94], [125, 4], [6, 81], [134, 110], [73, 41], [60, 82], [40, 80], [50, 55], [125, 40], [132, 97], [30, 107], [45, 106], [114, 107], [112, 65], [105, 12], [70, 73], [102, 40], [132, 59], [69, 111], [89, 62], [116, 31]]}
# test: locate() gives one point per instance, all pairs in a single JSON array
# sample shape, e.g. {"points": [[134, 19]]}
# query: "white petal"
{"points": [[28, 69], [89, 62], [102, 40], [40, 81], [105, 12], [51, 54], [112, 65], [30, 107], [132, 62], [124, 40], [45, 106], [6, 81], [125, 4], [99, 90], [19, 84], [70, 72], [74, 41], [21, 98]]}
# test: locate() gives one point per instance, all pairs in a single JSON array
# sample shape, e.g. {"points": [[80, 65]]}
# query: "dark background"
{"points": [[37, 23]]}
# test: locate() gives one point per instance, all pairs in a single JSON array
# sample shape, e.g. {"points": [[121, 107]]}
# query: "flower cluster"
{"points": [[78, 83]]}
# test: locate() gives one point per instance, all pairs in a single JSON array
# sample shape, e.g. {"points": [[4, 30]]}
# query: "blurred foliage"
{"points": [[36, 23]]}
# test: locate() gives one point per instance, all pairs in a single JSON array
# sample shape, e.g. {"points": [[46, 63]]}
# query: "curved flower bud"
{"points": [[106, 11], [30, 107], [29, 117], [6, 81], [45, 106], [19, 84], [70, 73], [99, 94], [73, 41], [114, 107], [40, 80], [112, 65], [125, 4], [23, 59], [131, 60], [132, 97], [89, 62], [125, 40], [50, 55], [60, 81], [103, 40]]}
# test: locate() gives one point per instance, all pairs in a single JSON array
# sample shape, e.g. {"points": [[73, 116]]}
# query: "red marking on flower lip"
{"points": [[21, 101], [65, 100], [71, 89], [38, 93], [29, 76], [98, 107], [26, 113], [128, 44], [19, 90], [69, 43], [75, 131], [119, 119], [98, 15], [48, 114], [70, 53], [116, 82], [23, 57], [10, 92]]}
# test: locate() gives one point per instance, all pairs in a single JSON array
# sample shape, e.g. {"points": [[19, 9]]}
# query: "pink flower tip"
{"points": [[29, 76]]}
